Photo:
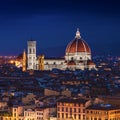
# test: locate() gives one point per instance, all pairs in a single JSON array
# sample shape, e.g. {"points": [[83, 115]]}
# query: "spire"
{"points": [[78, 34], [24, 61]]}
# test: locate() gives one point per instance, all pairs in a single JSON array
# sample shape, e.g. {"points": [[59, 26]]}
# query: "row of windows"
{"points": [[31, 64], [32, 51], [115, 112], [102, 118], [31, 58], [71, 116], [39, 118], [29, 114], [72, 58], [96, 112], [71, 104], [71, 110], [39, 113]]}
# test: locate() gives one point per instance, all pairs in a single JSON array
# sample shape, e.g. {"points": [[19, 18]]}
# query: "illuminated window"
{"points": [[106, 112]]}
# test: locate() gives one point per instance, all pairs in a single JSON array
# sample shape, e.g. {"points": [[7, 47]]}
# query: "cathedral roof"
{"points": [[78, 45]]}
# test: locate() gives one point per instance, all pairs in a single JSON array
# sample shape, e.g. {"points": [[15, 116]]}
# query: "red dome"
{"points": [[78, 45]]}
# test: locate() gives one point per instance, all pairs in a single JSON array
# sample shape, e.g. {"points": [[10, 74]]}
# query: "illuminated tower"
{"points": [[41, 62], [24, 61], [31, 55]]}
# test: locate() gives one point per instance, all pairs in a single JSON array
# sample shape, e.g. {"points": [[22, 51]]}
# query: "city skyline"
{"points": [[53, 25]]}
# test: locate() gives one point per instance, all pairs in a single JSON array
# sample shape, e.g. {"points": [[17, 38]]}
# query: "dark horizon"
{"points": [[53, 25]]}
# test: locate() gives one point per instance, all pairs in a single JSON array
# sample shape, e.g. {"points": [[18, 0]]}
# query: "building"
{"points": [[102, 112], [38, 113], [77, 56], [72, 109], [15, 113]]}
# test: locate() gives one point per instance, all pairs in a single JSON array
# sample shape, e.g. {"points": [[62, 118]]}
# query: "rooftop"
{"points": [[103, 107]]}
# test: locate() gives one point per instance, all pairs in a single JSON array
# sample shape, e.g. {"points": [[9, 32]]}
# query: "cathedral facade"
{"points": [[77, 56]]}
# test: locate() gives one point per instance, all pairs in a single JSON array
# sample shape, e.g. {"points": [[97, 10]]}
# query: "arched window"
{"points": [[33, 50], [30, 51]]}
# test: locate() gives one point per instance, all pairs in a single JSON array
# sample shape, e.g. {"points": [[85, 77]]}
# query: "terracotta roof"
{"points": [[71, 100], [78, 45], [103, 107], [90, 62], [71, 63]]}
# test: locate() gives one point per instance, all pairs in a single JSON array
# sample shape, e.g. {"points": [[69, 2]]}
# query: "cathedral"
{"points": [[77, 56]]}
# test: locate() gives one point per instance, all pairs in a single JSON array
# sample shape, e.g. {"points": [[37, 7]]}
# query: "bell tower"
{"points": [[31, 55]]}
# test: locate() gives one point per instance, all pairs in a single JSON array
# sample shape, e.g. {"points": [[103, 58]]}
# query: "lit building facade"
{"points": [[15, 113], [37, 114], [102, 112], [72, 109], [77, 56]]}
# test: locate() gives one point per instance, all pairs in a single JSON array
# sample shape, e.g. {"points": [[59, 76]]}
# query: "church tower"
{"points": [[24, 61], [31, 55]]}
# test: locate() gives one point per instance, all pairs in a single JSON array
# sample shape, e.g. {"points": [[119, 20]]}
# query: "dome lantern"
{"points": [[78, 34]]}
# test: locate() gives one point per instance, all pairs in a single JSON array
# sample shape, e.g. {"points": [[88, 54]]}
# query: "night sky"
{"points": [[53, 24]]}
